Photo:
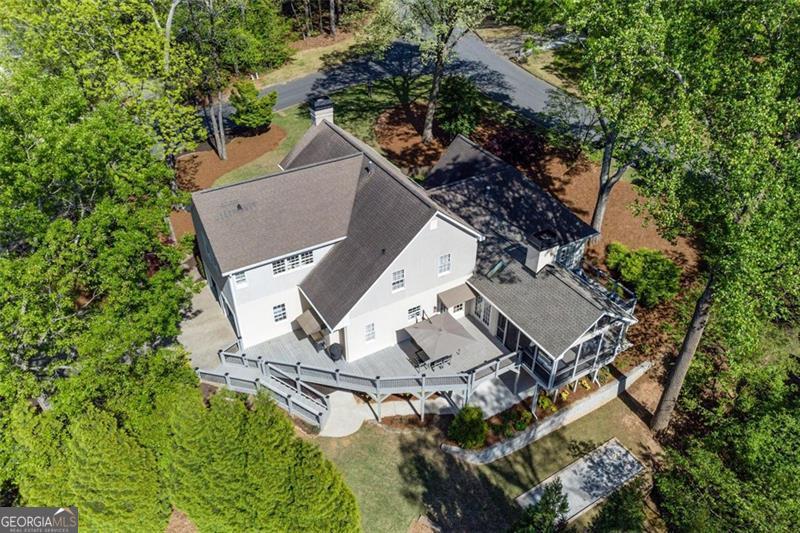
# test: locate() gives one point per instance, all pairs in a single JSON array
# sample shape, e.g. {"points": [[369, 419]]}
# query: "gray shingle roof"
{"points": [[268, 217], [319, 143], [550, 306], [344, 189], [470, 176]]}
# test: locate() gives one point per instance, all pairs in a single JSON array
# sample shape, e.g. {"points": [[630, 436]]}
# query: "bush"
{"points": [[546, 516], [469, 429], [647, 272], [252, 111], [622, 512], [546, 404], [459, 108]]}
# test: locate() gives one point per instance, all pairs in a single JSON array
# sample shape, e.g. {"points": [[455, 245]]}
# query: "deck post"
{"points": [[496, 367], [378, 395], [289, 403], [535, 398], [378, 400], [516, 381], [257, 383], [297, 369], [422, 401], [555, 394], [577, 359], [336, 376], [267, 371], [597, 352], [552, 379], [228, 379], [221, 357], [260, 365]]}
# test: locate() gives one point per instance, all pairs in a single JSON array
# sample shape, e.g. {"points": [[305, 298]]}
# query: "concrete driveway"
{"points": [[205, 330]]}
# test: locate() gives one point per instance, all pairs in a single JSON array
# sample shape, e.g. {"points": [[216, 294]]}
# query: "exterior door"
{"points": [[512, 335], [501, 326]]}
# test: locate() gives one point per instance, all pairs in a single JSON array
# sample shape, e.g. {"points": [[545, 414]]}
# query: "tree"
{"points": [[468, 428], [622, 512], [546, 515], [437, 26], [252, 111], [728, 176], [461, 107], [627, 80]]}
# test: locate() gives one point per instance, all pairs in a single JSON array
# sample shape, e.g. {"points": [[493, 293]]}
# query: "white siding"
{"points": [[264, 290], [389, 310]]}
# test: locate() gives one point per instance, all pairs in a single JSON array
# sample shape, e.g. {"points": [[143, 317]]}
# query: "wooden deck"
{"points": [[394, 361]]}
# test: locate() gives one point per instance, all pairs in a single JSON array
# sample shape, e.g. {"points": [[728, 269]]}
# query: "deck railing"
{"points": [[313, 410], [605, 286]]}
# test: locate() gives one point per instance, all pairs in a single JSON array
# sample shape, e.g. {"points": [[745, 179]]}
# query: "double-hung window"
{"points": [[445, 264], [279, 312], [398, 280], [369, 332], [240, 279], [415, 312]]}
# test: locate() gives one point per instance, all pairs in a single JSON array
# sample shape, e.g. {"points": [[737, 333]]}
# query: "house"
{"points": [[340, 272]]}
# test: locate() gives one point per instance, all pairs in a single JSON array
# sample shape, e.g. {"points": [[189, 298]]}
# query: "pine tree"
{"points": [[270, 444], [320, 498], [111, 479]]}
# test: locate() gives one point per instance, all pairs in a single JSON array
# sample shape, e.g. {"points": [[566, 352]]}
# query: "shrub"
{"points": [[469, 429], [648, 272], [459, 106], [252, 111], [547, 515], [526, 417], [546, 404], [622, 512]]}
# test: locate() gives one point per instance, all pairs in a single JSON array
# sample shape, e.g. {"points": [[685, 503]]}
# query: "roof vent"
{"points": [[383, 251], [239, 207]]}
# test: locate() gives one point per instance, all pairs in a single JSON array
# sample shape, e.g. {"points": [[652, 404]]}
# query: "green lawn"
{"points": [[359, 106], [294, 121], [305, 62], [397, 476]]}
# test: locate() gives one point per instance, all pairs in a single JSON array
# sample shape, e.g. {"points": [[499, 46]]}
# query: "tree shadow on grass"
{"points": [[456, 496]]}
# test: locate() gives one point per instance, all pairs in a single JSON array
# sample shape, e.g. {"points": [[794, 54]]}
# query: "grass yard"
{"points": [[307, 61], [294, 121], [560, 67], [399, 475]]}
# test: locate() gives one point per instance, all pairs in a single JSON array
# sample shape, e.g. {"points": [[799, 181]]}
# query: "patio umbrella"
{"points": [[440, 335]]}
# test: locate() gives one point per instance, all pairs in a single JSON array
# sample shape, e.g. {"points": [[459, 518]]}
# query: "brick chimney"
{"points": [[321, 109]]}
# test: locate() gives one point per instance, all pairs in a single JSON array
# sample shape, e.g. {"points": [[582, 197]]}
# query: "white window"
{"points": [[478, 311], [369, 332], [279, 312], [445, 263], [292, 262], [278, 267], [414, 312], [240, 278], [307, 258], [487, 313], [398, 280], [458, 308]]}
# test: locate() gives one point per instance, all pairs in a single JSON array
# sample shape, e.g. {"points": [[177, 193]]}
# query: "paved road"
{"points": [[497, 76]]}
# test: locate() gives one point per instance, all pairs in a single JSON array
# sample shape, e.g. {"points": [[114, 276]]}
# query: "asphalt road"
{"points": [[497, 76]]}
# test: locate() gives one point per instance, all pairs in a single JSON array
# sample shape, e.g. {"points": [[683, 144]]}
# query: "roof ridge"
{"points": [[386, 165], [275, 174]]}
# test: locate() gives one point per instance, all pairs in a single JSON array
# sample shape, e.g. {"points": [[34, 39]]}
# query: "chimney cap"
{"points": [[320, 103]]}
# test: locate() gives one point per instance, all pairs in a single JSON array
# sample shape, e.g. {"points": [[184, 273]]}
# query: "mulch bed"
{"points": [[399, 133], [199, 170], [319, 41], [438, 423]]}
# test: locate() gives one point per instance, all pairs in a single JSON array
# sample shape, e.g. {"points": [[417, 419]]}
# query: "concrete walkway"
{"points": [[590, 479]]}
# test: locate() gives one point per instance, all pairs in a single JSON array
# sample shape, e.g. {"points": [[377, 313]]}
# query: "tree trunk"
{"points": [[167, 31], [333, 17], [600, 207], [307, 10], [319, 12], [669, 398], [427, 130], [223, 148]]}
